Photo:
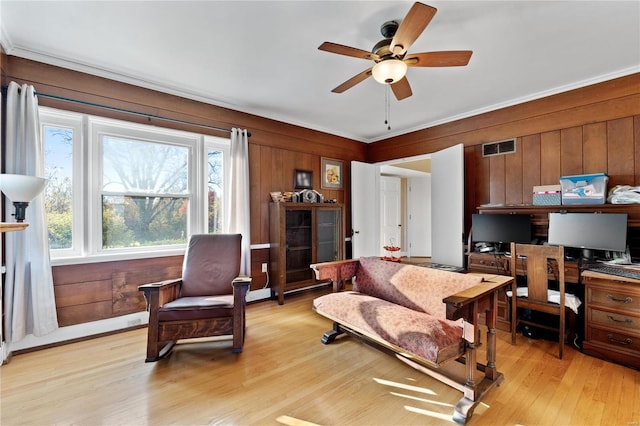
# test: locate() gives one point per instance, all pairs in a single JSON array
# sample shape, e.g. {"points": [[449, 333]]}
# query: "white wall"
{"points": [[419, 215]]}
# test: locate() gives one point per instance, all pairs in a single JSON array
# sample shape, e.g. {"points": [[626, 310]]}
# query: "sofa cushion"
{"points": [[424, 335], [415, 287]]}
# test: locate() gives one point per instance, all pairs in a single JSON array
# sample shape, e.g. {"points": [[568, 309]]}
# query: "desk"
{"points": [[498, 263], [612, 318]]}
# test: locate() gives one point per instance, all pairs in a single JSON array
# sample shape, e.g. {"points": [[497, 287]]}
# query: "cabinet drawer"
{"points": [[611, 319], [488, 263], [616, 298], [614, 339]]}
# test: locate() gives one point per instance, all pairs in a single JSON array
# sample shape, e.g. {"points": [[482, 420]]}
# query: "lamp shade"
{"points": [[389, 71], [21, 188]]}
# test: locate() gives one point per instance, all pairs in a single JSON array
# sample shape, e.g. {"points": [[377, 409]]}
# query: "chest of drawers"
{"points": [[612, 318]]}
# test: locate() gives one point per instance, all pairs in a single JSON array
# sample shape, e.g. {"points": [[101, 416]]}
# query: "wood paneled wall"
{"points": [[541, 159], [276, 149], [589, 130], [592, 129], [610, 100], [611, 147], [105, 290]]}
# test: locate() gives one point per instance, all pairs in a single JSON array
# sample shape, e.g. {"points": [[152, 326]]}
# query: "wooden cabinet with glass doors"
{"points": [[302, 234]]}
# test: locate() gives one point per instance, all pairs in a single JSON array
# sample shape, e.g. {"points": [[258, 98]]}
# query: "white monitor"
{"points": [[590, 231]]}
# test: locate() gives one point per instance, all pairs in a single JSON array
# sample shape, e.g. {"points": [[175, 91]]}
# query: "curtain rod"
{"points": [[126, 111]]}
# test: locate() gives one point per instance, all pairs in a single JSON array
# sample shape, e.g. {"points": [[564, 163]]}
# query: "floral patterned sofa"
{"points": [[426, 317]]}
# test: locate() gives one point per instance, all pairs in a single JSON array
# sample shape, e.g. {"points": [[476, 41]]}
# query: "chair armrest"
{"points": [[241, 280], [159, 285], [337, 271], [458, 305], [240, 288], [328, 270], [241, 283], [158, 293]]}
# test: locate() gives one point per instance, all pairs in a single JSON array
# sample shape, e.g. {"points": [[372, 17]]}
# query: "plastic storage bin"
{"points": [[584, 189], [547, 195]]}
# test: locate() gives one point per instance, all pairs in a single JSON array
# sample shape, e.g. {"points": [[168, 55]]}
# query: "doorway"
{"points": [[436, 210], [413, 179]]}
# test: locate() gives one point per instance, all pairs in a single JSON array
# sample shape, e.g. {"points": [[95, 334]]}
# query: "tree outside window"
{"points": [[58, 144], [145, 193], [118, 188]]}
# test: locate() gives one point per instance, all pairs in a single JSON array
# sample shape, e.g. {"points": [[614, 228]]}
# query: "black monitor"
{"points": [[589, 231], [501, 228]]}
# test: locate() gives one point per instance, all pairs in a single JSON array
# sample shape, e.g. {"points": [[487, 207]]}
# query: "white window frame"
{"points": [[224, 145], [50, 117], [87, 189]]}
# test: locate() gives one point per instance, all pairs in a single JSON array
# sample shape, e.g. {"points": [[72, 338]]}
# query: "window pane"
{"points": [[137, 166], [58, 143], [214, 190], [143, 221]]}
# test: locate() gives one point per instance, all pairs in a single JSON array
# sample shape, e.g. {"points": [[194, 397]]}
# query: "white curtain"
{"points": [[238, 212], [29, 301]]}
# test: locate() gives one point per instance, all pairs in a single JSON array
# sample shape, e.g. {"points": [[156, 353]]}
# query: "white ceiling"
{"points": [[262, 57]]}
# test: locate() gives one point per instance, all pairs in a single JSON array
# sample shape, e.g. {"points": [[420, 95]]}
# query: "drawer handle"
{"points": [[625, 300], [626, 320], [626, 341]]}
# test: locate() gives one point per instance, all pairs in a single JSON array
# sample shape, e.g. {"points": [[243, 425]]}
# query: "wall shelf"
{"points": [[12, 226]]}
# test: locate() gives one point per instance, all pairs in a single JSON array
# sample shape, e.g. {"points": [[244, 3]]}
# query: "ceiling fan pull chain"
{"points": [[387, 107]]}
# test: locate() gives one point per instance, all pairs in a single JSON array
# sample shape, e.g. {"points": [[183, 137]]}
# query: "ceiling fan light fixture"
{"points": [[389, 71]]}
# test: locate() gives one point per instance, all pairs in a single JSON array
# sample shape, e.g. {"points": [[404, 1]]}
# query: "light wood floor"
{"points": [[286, 376]]}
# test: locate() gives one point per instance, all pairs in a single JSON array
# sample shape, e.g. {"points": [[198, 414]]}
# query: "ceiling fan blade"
{"points": [[358, 78], [340, 49], [450, 58], [411, 27], [401, 89]]}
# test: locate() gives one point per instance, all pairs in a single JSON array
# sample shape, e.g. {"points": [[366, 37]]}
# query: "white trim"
{"points": [[260, 246], [54, 118], [214, 143], [82, 330], [4, 352], [260, 294]]}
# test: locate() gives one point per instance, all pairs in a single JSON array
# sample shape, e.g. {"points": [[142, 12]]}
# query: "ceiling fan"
{"points": [[390, 54]]}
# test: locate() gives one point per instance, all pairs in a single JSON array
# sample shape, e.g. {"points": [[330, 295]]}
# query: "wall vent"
{"points": [[499, 148]]}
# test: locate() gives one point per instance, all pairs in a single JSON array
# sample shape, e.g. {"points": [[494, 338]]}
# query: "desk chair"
{"points": [[209, 299], [538, 269]]}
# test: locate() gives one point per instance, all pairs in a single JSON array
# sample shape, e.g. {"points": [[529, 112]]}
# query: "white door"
{"points": [[419, 216], [391, 212], [365, 205], [447, 206]]}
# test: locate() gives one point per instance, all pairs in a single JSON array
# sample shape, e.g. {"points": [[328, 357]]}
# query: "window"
{"points": [[62, 138], [146, 188], [216, 159]]}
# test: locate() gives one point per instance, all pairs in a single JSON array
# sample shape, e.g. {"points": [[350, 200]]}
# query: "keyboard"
{"points": [[615, 270]]}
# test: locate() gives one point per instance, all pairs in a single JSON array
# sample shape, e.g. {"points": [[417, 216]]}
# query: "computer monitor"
{"points": [[501, 228], [589, 231]]}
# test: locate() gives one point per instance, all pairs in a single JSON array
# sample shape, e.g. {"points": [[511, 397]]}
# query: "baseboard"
{"points": [[75, 332], [80, 331], [261, 294], [3, 351]]}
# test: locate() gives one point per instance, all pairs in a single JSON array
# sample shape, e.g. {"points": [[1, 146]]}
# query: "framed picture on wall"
{"points": [[302, 179], [331, 174]]}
